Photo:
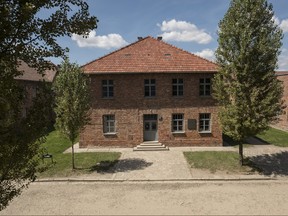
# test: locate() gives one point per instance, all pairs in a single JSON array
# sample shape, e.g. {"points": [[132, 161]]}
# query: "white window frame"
{"points": [[176, 122], [204, 84], [109, 124], [204, 121], [177, 85]]}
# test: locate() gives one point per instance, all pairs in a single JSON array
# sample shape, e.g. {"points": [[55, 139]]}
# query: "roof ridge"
{"points": [[118, 50]]}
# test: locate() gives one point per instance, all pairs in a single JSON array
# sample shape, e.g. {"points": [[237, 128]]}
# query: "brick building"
{"points": [[30, 80], [283, 119], [151, 91]]}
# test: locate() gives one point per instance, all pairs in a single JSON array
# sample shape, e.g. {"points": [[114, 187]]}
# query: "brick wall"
{"points": [[283, 119], [129, 105]]}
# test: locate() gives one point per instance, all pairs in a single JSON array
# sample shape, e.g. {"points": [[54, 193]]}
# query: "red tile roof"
{"points": [[31, 74], [281, 73], [150, 55]]}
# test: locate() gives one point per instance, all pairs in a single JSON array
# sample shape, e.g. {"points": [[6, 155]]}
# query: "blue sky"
{"points": [[188, 24]]}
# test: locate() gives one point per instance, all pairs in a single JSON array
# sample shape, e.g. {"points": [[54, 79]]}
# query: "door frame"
{"points": [[151, 134]]}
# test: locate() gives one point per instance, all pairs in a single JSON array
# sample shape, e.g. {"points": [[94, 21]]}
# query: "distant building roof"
{"points": [[281, 73], [31, 74], [150, 55]]}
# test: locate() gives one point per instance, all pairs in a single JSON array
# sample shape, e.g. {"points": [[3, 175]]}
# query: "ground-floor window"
{"points": [[205, 122], [178, 122], [109, 124]]}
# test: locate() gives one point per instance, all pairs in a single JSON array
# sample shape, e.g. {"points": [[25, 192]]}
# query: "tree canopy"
{"points": [[246, 88], [29, 32]]}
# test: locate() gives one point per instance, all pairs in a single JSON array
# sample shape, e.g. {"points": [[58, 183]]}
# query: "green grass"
{"points": [[85, 163], [275, 137], [216, 161]]}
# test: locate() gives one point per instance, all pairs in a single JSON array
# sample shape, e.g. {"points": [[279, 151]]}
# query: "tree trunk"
{"points": [[241, 157], [73, 163]]}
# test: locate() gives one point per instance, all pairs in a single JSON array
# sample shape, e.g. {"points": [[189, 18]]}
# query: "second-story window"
{"points": [[107, 89], [149, 87], [205, 87], [177, 87]]}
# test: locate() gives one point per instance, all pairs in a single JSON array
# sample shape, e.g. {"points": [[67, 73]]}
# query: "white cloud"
{"points": [[276, 20], [105, 42], [283, 60], [283, 24], [207, 54], [183, 31]]}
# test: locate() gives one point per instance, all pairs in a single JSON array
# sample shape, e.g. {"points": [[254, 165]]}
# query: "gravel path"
{"points": [[147, 198]]}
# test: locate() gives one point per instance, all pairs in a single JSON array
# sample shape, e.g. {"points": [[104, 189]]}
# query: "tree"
{"points": [[246, 88], [20, 142], [72, 101], [29, 33]]}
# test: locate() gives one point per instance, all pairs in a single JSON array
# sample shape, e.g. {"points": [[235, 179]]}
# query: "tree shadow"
{"points": [[123, 165], [270, 164], [250, 141]]}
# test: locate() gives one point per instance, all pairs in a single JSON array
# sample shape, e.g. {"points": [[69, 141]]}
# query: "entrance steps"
{"points": [[151, 146]]}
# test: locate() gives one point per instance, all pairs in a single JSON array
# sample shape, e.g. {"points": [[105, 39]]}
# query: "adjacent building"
{"points": [[30, 80], [152, 91], [283, 118]]}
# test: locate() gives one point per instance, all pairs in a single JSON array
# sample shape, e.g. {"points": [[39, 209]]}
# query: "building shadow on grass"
{"points": [[123, 165], [270, 164]]}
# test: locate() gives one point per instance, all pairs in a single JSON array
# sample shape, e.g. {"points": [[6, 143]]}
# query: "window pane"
{"points": [[204, 122], [175, 92], [154, 126], [108, 123]]}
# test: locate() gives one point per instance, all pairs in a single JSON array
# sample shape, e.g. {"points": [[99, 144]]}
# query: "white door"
{"points": [[150, 127]]}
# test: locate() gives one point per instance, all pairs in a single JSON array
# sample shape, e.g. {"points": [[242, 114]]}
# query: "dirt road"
{"points": [[153, 198]]}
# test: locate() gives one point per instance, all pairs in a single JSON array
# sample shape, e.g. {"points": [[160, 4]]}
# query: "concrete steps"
{"points": [[151, 146]]}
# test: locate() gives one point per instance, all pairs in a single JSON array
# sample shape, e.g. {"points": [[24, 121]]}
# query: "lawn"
{"points": [[216, 161], [275, 137], [85, 163]]}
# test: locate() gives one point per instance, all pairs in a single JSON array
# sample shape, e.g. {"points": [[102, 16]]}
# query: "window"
{"points": [[107, 89], [109, 124], [205, 122], [177, 122], [177, 87], [149, 87], [205, 87]]}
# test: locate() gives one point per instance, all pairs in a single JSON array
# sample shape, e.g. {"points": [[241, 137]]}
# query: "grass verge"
{"points": [[216, 161], [275, 137], [85, 163]]}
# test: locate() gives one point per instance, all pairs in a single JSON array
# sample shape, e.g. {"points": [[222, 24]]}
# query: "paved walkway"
{"points": [[172, 165]]}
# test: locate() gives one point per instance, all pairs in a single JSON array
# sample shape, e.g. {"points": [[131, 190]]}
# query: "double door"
{"points": [[150, 127]]}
